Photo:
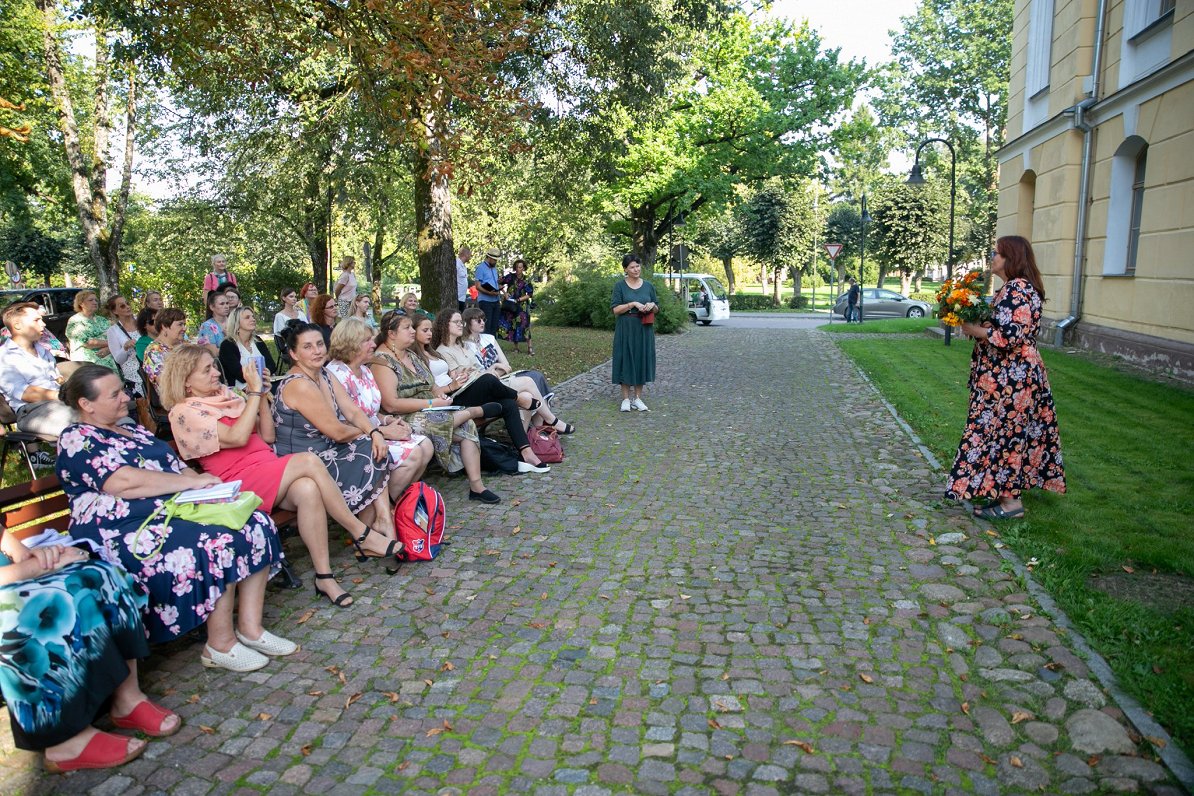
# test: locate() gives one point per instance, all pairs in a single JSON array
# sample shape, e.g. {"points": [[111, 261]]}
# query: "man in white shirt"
{"points": [[462, 257], [29, 378]]}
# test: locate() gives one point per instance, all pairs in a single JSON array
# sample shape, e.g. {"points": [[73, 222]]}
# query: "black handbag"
{"points": [[511, 306], [498, 457]]}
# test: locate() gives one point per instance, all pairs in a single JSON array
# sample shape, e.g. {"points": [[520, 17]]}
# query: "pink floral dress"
{"points": [[182, 568], [363, 390], [1010, 442]]}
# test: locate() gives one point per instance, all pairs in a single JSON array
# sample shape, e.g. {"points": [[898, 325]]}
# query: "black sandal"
{"points": [[535, 404], [567, 429], [343, 601], [393, 549]]}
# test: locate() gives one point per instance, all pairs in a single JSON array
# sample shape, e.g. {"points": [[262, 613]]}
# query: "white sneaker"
{"points": [[625, 404], [638, 404], [269, 644], [238, 659]]}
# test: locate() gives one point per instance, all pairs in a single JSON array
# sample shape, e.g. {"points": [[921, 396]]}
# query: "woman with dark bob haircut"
{"points": [[118, 479], [1010, 442]]}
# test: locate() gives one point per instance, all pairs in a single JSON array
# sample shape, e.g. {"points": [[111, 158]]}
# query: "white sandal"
{"points": [[238, 659], [269, 644]]}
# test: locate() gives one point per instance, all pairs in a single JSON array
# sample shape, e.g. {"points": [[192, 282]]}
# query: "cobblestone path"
{"points": [[752, 588]]}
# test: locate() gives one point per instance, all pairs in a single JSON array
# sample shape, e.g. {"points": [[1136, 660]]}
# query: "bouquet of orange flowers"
{"points": [[960, 300]]}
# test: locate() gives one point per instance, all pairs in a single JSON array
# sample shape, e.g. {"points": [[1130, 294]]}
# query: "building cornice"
{"points": [[1174, 74]]}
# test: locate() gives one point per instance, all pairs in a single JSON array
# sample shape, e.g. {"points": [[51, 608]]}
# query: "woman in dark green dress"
{"points": [[634, 341]]}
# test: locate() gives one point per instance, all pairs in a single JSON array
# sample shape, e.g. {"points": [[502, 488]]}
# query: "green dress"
{"points": [[81, 330], [634, 342]]}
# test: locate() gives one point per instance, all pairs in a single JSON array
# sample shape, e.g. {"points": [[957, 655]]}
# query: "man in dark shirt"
{"points": [[853, 299]]}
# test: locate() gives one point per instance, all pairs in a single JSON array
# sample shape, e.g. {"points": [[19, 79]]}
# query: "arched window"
{"points": [[1026, 204], [1125, 208]]}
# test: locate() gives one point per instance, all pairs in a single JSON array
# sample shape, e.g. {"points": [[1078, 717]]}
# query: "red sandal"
{"points": [[147, 718], [104, 750]]}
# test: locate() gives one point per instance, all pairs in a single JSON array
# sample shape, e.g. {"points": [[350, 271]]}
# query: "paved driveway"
{"points": [[723, 595]]}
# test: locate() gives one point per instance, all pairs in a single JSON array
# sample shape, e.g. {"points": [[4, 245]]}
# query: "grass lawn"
{"points": [[1128, 514], [562, 352], [885, 326]]}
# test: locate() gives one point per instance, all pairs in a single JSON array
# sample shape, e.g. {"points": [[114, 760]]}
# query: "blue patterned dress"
{"points": [[184, 567], [64, 640]]}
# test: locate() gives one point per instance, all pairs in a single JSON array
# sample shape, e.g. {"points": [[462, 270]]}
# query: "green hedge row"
{"points": [[586, 302], [752, 301]]}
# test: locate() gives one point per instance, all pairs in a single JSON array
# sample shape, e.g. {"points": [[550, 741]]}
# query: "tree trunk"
{"points": [[916, 281], [116, 238], [763, 279], [728, 264], [645, 242], [379, 239], [882, 276], [777, 282], [316, 215], [905, 281], [86, 204], [433, 229]]}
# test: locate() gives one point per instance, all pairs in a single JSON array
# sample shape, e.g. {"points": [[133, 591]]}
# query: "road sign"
{"points": [[834, 249]]}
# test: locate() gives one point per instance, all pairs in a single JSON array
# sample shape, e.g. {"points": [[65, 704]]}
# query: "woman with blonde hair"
{"points": [[352, 348], [242, 347], [87, 332], [230, 437], [361, 308]]}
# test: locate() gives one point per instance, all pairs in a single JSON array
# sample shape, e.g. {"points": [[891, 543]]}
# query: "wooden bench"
{"points": [[30, 508]]}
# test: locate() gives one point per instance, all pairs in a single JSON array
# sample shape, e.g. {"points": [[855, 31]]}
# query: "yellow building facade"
{"points": [[1099, 172]]}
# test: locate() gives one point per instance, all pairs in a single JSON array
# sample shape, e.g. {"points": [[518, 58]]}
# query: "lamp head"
{"points": [[916, 178]]}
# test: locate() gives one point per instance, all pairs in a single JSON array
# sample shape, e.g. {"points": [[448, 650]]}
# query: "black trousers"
{"points": [[492, 310], [489, 389]]}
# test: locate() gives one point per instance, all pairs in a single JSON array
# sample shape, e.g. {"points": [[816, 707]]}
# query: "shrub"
{"points": [[799, 302], [585, 302], [923, 296], [751, 301]]}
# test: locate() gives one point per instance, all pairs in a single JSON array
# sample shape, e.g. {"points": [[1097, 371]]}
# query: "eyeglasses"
{"points": [[991, 256], [456, 322]]}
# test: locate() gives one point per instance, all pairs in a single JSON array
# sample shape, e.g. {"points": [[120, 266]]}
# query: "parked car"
{"points": [[59, 303], [879, 303]]}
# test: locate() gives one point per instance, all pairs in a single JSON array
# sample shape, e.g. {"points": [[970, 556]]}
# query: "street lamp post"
{"points": [[864, 219], [916, 178]]}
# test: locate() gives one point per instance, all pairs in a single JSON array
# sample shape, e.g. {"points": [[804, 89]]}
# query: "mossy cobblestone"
{"points": [[753, 588]]}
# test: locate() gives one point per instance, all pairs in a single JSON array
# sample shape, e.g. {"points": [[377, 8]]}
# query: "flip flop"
{"points": [[147, 718], [104, 750], [997, 512]]}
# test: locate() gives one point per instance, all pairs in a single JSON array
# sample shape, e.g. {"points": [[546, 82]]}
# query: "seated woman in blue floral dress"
{"points": [[70, 637], [117, 477]]}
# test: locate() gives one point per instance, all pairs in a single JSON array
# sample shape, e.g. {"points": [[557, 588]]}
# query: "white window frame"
{"points": [[1141, 15], [1125, 207], [1040, 47]]}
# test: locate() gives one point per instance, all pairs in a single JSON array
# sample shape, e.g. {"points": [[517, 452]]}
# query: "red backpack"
{"points": [[419, 521]]}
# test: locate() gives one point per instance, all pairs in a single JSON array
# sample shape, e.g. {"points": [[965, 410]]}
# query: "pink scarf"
{"points": [[194, 422]]}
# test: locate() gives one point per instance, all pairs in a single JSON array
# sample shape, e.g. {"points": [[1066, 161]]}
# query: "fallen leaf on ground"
{"points": [[725, 675], [168, 692], [447, 667], [193, 699], [306, 750], [430, 591], [1093, 760], [966, 708], [207, 730], [1021, 715], [551, 564], [866, 620], [391, 695], [932, 541], [403, 765], [1127, 569], [1157, 742], [358, 581], [264, 717], [348, 702], [429, 683], [435, 731], [537, 625], [343, 680], [517, 502], [517, 529], [866, 678], [593, 701], [1157, 669], [315, 693], [714, 724], [805, 745], [493, 552], [603, 596], [1015, 761], [543, 596], [310, 612], [685, 596]]}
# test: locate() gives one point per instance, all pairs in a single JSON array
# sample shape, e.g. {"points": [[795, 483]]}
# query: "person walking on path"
{"points": [[853, 310], [634, 303], [1010, 442], [489, 297]]}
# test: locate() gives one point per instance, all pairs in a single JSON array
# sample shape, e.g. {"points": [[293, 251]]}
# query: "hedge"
{"points": [[585, 302], [752, 301]]}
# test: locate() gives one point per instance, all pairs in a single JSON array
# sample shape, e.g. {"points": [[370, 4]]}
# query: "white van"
{"points": [[703, 294]]}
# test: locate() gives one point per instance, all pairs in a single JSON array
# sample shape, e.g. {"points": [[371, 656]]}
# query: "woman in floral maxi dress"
{"points": [[117, 477], [1010, 442]]}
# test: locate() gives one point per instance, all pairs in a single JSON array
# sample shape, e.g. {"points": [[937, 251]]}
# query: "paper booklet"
{"points": [[219, 493]]}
